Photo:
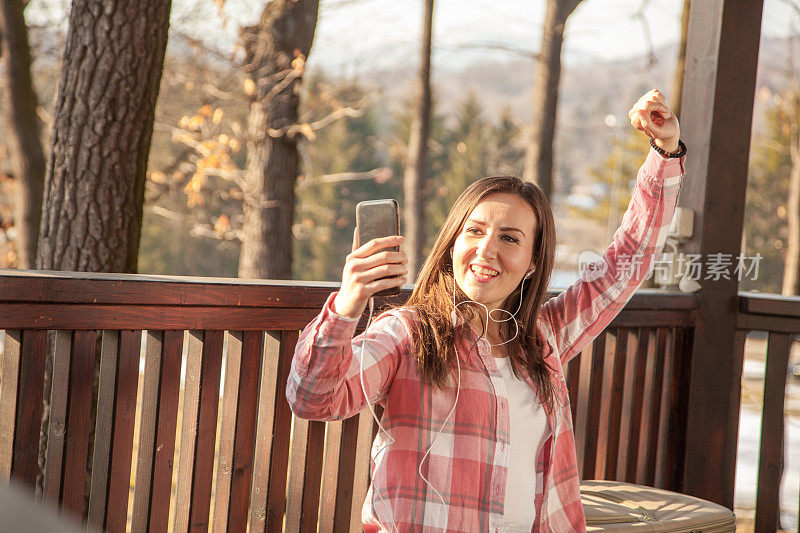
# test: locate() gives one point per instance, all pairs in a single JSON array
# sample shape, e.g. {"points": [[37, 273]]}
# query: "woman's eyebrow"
{"points": [[507, 228]]}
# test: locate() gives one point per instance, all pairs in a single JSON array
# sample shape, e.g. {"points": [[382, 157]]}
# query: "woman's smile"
{"points": [[483, 274]]}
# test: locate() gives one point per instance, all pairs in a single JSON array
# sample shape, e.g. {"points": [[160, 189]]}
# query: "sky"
{"points": [[356, 36], [359, 36]]}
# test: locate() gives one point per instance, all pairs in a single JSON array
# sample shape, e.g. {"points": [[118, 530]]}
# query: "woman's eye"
{"points": [[472, 230], [512, 239]]}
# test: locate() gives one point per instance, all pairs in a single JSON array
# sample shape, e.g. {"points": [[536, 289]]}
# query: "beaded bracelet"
{"points": [[680, 153]]}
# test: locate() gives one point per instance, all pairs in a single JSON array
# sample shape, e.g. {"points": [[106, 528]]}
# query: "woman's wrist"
{"points": [[678, 151], [670, 146], [346, 309]]}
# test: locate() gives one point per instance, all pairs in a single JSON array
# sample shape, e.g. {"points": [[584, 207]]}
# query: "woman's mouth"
{"points": [[482, 274]]}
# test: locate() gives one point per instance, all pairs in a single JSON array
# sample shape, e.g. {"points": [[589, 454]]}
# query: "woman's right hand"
{"points": [[363, 267]]}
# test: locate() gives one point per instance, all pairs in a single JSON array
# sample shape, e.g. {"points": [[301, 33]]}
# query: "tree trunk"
{"points": [[276, 49], [680, 66], [24, 129], [791, 269], [94, 188], [414, 172], [539, 157]]}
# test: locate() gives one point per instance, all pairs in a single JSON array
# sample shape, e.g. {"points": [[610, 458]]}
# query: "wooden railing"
{"points": [[779, 317], [168, 395]]}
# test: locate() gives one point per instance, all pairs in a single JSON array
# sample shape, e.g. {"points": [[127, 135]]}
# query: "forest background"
{"points": [[358, 93]]}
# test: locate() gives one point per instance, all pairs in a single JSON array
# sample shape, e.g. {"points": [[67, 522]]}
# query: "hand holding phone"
{"points": [[375, 267]]}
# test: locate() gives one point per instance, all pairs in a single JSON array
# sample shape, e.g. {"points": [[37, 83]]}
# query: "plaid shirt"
{"points": [[469, 461]]}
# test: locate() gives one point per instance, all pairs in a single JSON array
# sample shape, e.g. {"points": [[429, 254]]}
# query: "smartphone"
{"points": [[379, 218]]}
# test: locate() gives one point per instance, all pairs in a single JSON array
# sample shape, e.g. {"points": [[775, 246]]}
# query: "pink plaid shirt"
{"points": [[468, 463]]}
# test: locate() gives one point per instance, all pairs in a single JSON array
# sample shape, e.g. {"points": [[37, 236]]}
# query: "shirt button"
{"points": [[502, 446], [497, 490]]}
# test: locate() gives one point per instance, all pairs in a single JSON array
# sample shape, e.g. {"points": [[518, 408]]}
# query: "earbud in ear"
{"points": [[454, 317]]}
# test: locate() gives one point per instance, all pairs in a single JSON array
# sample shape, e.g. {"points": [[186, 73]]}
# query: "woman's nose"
{"points": [[486, 247]]}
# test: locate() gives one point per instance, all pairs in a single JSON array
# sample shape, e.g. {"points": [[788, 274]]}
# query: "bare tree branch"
{"points": [[210, 88], [307, 129], [205, 48], [639, 14], [792, 5]]}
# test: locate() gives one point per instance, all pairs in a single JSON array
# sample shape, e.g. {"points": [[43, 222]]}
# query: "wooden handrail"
{"points": [[45, 286]]}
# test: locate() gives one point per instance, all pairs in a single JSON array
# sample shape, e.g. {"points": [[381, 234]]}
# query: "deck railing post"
{"points": [[717, 111]]}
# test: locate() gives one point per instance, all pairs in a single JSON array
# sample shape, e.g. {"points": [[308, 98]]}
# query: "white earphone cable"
{"points": [[390, 439], [454, 317]]}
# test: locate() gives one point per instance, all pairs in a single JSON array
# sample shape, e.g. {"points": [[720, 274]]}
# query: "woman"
{"points": [[476, 433]]}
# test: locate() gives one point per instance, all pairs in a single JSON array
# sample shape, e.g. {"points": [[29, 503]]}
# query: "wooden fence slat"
{"points": [[653, 413], [615, 405], [206, 424], [637, 401], [79, 420], [594, 394], [58, 417], [126, 392], [267, 398], [581, 405], [296, 473], [147, 431], [348, 444], [28, 417], [104, 424], [191, 398], [227, 430], [333, 431], [166, 423], [281, 425], [675, 440], [770, 460], [666, 401], [605, 406], [313, 476], [625, 414], [12, 343], [573, 380], [246, 415], [361, 473]]}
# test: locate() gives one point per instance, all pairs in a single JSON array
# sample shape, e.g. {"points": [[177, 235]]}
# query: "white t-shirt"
{"points": [[529, 432]]}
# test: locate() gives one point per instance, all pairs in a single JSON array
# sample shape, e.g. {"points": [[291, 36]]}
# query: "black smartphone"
{"points": [[379, 218]]}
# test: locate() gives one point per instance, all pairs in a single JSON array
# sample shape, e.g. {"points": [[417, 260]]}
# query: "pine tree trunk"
{"points": [[680, 67], [276, 49], [414, 172], [94, 188], [24, 129], [539, 157], [791, 268]]}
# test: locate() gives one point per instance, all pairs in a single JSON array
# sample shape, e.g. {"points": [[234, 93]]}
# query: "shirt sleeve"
{"points": [[325, 377], [576, 316]]}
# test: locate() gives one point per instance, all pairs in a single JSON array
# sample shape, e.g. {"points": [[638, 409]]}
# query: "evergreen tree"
{"points": [[616, 176], [340, 167], [765, 220]]}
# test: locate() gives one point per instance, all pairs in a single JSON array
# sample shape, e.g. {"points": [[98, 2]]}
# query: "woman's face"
{"points": [[498, 236]]}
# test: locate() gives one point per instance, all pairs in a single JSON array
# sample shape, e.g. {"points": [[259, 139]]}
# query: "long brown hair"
{"points": [[432, 298]]}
